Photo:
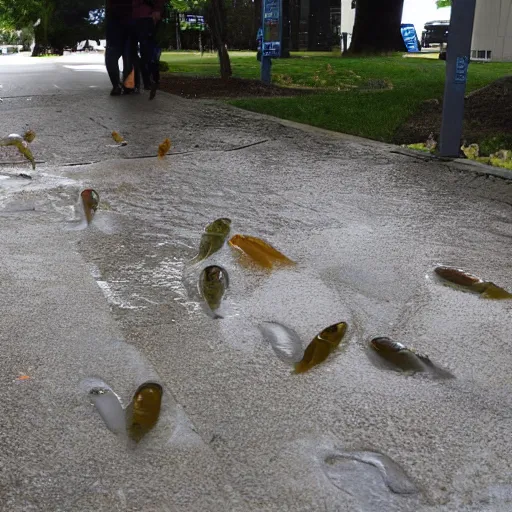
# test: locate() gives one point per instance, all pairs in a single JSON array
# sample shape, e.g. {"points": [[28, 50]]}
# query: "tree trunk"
{"points": [[377, 27], [40, 41], [217, 22]]}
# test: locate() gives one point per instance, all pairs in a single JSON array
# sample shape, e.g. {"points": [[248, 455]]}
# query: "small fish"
{"points": [[471, 283], [21, 144], [29, 135], [110, 409], [117, 137], [164, 148], [321, 347], [213, 283], [143, 413], [213, 239], [259, 251], [284, 341], [90, 201], [399, 355]]}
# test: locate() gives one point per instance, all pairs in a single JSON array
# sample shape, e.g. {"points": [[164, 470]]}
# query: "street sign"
{"points": [[272, 28]]}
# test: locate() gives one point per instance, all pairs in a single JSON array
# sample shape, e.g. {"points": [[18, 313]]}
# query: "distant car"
{"points": [[435, 32]]}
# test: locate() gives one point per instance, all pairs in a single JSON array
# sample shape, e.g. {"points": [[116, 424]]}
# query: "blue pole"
{"points": [[266, 69], [457, 60]]}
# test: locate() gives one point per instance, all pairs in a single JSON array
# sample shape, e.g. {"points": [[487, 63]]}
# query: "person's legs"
{"points": [[145, 28], [113, 52]]}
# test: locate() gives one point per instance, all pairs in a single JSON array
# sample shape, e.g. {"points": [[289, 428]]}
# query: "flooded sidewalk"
{"points": [[119, 302]]}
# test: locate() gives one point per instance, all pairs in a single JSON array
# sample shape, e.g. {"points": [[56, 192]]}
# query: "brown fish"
{"points": [[143, 413], [259, 251], [457, 276], [90, 202], [321, 347], [399, 355], [471, 283]]}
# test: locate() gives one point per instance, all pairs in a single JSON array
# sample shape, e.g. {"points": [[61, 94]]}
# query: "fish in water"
{"points": [[108, 405], [321, 347], [90, 201], [29, 135], [213, 283], [213, 238], [393, 475], [164, 148], [284, 341], [259, 251], [21, 144], [143, 413], [403, 358], [117, 137], [469, 282]]}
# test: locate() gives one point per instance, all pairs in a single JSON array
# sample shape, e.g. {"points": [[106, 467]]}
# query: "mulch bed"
{"points": [[487, 112], [208, 87]]}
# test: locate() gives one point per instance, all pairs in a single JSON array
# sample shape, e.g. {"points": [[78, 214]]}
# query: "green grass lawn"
{"points": [[370, 97]]}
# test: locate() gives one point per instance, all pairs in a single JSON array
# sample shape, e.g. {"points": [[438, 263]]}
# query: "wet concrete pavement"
{"points": [[238, 430]]}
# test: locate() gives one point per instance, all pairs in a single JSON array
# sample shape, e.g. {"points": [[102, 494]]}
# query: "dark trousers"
{"points": [[117, 35], [144, 30]]}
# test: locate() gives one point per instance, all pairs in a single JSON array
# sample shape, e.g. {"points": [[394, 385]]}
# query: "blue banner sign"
{"points": [[410, 37], [461, 70], [271, 28]]}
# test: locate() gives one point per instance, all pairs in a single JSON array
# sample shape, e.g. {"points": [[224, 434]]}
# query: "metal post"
{"points": [[457, 60]]}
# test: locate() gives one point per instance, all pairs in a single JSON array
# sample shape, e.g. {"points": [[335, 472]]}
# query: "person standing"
{"points": [[118, 14], [147, 14]]}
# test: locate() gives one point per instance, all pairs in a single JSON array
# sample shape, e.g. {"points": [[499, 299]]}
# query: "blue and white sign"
{"points": [[272, 30]]}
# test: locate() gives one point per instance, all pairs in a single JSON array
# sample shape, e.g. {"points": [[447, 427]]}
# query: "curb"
{"points": [[457, 164]]}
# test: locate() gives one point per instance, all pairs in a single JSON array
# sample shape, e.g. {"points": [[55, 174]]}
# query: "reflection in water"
{"points": [[391, 473], [21, 143], [213, 283], [143, 413], [213, 239], [259, 251], [471, 283], [108, 405], [284, 341], [321, 347]]}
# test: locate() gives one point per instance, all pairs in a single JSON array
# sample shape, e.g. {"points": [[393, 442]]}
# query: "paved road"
{"points": [[238, 431]]}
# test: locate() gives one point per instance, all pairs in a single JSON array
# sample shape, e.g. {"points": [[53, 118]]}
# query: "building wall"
{"points": [[492, 30], [348, 16]]}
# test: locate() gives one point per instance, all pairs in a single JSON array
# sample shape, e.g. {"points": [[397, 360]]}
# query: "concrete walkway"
{"points": [[238, 431]]}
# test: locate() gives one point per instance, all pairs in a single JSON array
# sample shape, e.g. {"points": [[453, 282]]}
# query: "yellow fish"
{"points": [[21, 144], [259, 251], [321, 347], [164, 148], [30, 135], [213, 238], [143, 413], [117, 137]]}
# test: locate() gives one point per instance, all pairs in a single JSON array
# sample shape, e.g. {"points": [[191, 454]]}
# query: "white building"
{"points": [[492, 31]]}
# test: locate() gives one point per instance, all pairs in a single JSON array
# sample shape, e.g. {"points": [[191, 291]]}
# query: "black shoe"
{"points": [[116, 91]]}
